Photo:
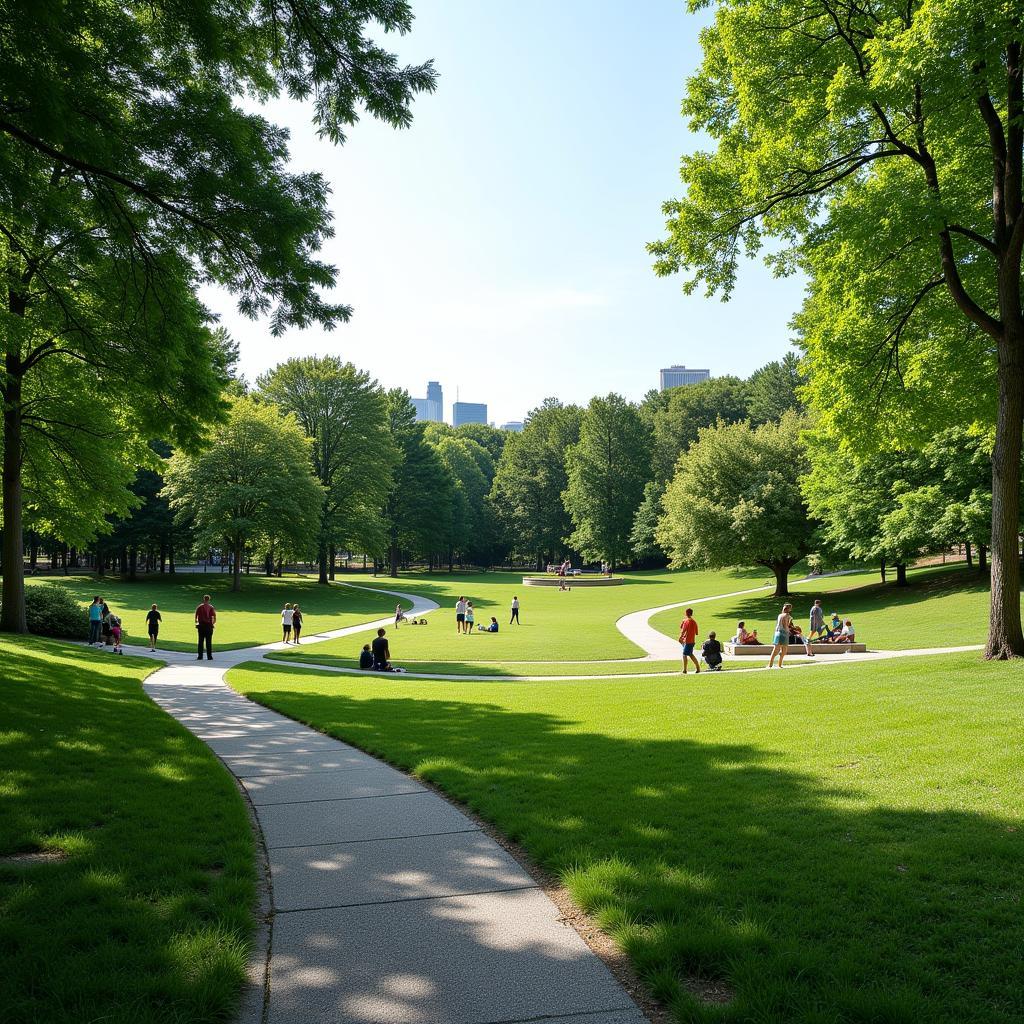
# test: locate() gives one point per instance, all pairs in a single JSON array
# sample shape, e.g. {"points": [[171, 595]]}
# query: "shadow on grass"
{"points": [[148, 915], [715, 862]]}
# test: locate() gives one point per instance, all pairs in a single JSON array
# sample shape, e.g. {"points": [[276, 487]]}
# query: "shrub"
{"points": [[52, 610]]}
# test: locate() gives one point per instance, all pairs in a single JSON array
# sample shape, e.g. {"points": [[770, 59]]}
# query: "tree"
{"points": [[643, 538], [471, 519], [417, 510], [253, 484], [343, 410], [884, 146], [735, 501], [689, 408], [530, 477], [606, 471], [491, 439], [131, 175], [773, 390]]}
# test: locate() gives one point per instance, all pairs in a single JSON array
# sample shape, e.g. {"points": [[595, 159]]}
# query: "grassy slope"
{"points": [[555, 626], [838, 845], [148, 919], [942, 607], [508, 668], [245, 619]]}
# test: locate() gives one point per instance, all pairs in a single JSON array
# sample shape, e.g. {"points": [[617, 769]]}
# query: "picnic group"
{"points": [[786, 634]]}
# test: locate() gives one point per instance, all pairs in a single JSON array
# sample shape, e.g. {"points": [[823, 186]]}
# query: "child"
{"points": [[469, 617], [153, 620], [115, 632], [366, 657]]}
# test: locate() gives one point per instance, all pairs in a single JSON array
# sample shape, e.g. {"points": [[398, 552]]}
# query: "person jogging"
{"points": [[515, 611], [206, 619]]}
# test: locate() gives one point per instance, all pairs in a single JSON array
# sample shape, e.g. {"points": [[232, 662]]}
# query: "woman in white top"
{"points": [[780, 640], [399, 615], [286, 622]]}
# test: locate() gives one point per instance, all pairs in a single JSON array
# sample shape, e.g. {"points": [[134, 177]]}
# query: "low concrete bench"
{"points": [[751, 650]]}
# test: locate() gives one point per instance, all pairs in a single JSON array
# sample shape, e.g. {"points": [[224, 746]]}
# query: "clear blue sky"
{"points": [[498, 244]]}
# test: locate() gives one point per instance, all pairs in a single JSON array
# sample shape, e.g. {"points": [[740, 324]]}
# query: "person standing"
{"points": [[780, 640], [153, 620], [206, 619], [287, 615], [105, 624], [296, 623], [470, 617], [515, 611], [460, 615], [688, 637], [96, 622], [817, 620]]}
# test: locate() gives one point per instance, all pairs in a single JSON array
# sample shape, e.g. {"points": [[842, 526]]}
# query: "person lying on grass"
{"points": [[491, 627]]}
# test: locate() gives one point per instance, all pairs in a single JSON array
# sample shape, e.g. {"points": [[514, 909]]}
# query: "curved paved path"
{"points": [[388, 905]]}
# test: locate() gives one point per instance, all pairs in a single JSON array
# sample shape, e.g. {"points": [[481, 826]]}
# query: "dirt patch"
{"points": [[709, 991], [27, 860]]}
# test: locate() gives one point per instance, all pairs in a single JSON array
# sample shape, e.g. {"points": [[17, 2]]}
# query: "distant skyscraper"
{"points": [[515, 426], [430, 408], [677, 376], [468, 412]]}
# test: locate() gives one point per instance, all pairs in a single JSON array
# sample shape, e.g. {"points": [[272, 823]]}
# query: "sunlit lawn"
{"points": [[245, 619], [941, 607], [842, 844], [148, 917]]}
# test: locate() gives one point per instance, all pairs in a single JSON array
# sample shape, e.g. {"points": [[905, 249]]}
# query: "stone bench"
{"points": [[752, 650]]}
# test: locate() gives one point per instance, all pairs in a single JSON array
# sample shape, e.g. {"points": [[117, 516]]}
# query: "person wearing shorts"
{"points": [[687, 638], [153, 621], [296, 623], [460, 615], [287, 615], [96, 622], [115, 632], [470, 617], [780, 639]]}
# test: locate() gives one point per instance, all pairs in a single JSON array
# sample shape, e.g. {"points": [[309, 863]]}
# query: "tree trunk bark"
{"points": [[322, 563], [74, 557], [781, 571], [982, 561], [882, 570], [1005, 639], [236, 581], [12, 615], [968, 554], [133, 563], [901, 574], [393, 560], [332, 557]]}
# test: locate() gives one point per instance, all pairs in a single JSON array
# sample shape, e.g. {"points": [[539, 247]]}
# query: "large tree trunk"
{"points": [[332, 557], [1005, 639], [236, 569], [781, 571], [968, 554], [322, 562], [901, 574], [982, 558], [393, 559], [12, 616]]}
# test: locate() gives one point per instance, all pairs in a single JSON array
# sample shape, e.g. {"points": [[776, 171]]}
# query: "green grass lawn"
{"points": [[842, 845], [245, 619], [576, 626], [508, 668], [147, 913], [941, 607]]}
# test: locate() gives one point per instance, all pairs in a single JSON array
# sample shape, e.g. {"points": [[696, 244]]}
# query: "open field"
{"points": [[575, 626], [144, 911], [245, 619], [838, 844], [491, 668], [941, 607]]}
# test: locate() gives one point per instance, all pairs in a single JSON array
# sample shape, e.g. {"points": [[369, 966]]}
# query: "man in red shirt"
{"points": [[206, 619], [687, 637]]}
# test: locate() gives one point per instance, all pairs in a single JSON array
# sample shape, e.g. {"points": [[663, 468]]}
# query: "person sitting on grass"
{"points": [[366, 657], [743, 637], [847, 634], [381, 653], [711, 652], [491, 627]]}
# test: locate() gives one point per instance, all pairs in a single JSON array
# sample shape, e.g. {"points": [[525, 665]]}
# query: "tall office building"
{"points": [[677, 376], [468, 412], [430, 408]]}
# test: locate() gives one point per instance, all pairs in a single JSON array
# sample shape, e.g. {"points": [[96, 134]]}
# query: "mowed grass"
{"points": [[245, 619], [509, 668], [146, 914], [574, 626], [941, 607], [843, 844]]}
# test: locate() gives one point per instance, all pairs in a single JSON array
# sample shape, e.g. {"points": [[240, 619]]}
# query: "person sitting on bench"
{"points": [[491, 627], [847, 635], [711, 652], [743, 637]]}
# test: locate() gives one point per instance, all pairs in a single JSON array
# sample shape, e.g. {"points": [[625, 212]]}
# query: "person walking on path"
{"points": [[206, 619], [460, 615], [781, 638], [470, 617], [688, 637], [296, 623], [96, 622], [153, 620], [287, 616], [515, 611]]}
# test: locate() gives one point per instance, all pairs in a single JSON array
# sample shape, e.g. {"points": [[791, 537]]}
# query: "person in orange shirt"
{"points": [[687, 637]]}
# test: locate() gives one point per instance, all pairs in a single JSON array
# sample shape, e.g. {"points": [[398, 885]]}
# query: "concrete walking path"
{"points": [[388, 905]]}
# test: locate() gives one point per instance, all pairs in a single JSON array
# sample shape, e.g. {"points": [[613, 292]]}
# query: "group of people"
{"points": [[291, 624], [107, 630], [465, 617], [787, 633]]}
